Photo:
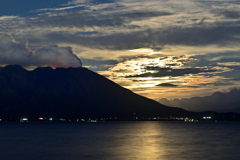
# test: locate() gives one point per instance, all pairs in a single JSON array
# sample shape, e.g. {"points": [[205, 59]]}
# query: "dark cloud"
{"points": [[221, 34], [171, 65], [93, 18], [232, 14], [100, 65], [137, 80], [122, 71], [99, 62], [194, 86], [135, 57], [213, 59], [86, 19], [143, 15], [221, 84], [167, 85], [12, 52], [163, 72], [227, 13], [125, 35]]}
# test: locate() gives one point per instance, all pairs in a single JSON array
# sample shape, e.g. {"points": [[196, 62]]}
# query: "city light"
{"points": [[207, 117], [23, 119]]}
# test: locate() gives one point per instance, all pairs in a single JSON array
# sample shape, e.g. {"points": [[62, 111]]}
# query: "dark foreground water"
{"points": [[120, 141]]}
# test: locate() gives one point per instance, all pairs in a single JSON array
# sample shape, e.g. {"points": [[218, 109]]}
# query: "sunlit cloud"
{"points": [[148, 76], [2, 18], [229, 64]]}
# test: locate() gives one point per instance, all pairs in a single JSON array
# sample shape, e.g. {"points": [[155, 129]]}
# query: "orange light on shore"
{"points": [[40, 118]]}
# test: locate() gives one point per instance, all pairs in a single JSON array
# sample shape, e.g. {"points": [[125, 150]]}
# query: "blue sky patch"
{"points": [[24, 7]]}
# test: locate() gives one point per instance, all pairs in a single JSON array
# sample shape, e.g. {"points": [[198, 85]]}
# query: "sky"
{"points": [[156, 48]]}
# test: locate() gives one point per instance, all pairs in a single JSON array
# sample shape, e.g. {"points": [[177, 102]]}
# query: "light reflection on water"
{"points": [[120, 141]]}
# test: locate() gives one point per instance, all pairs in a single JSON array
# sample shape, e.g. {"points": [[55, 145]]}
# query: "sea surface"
{"points": [[120, 141]]}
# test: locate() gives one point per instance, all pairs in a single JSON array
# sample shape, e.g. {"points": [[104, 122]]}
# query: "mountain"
{"points": [[218, 101], [71, 93]]}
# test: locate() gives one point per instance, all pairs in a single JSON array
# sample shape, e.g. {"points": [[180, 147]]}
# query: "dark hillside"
{"points": [[72, 92]]}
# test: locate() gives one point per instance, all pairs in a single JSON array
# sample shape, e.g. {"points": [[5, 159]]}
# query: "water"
{"points": [[120, 141]]}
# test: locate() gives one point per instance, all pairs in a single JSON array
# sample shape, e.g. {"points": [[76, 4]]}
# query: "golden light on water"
{"points": [[143, 144]]}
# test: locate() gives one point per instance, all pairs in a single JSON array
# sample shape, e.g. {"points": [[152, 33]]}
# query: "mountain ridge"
{"points": [[218, 101], [71, 92], [75, 93]]}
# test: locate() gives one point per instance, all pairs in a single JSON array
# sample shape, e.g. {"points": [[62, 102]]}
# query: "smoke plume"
{"points": [[12, 52]]}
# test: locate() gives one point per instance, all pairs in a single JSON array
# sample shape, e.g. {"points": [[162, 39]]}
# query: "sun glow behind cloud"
{"points": [[157, 76]]}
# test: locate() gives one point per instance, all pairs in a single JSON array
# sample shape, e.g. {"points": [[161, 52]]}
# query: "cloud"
{"points": [[229, 12], [99, 65], [90, 1], [132, 24], [163, 72], [12, 52], [87, 18], [229, 64], [220, 35], [139, 26], [2, 18], [166, 85]]}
